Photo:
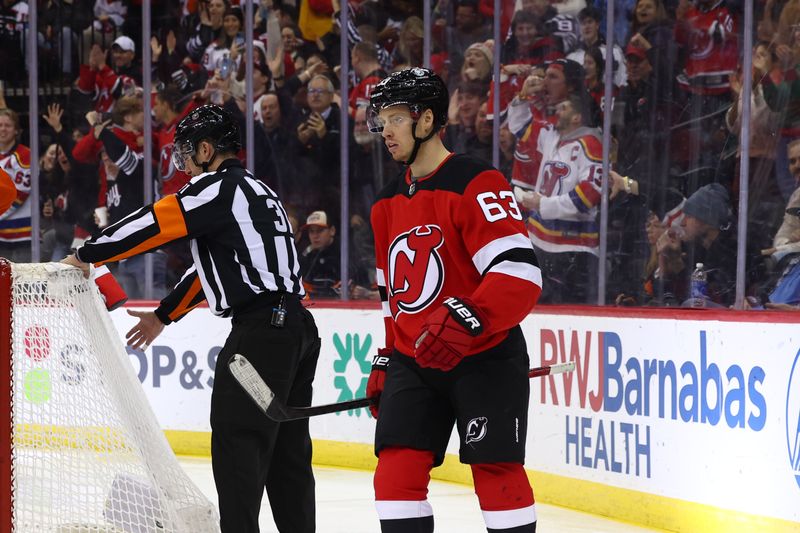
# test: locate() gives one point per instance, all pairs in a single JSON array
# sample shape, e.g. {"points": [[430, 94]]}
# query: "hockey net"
{"points": [[80, 448]]}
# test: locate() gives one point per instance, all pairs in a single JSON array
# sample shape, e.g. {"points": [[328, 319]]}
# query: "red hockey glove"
{"points": [[448, 333], [377, 377]]}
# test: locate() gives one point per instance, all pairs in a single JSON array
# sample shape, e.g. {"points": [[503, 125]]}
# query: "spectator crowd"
{"points": [[675, 113]]}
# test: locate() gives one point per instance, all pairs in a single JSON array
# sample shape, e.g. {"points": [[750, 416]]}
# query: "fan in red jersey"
{"points": [[456, 273]]}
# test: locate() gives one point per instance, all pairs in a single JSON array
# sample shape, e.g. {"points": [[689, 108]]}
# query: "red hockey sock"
{"points": [[505, 496], [401, 490]]}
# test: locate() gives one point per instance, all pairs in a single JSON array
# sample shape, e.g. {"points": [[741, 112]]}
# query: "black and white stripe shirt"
{"points": [[241, 241]]}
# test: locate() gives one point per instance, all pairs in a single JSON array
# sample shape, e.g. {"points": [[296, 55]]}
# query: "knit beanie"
{"points": [[710, 204], [482, 48]]}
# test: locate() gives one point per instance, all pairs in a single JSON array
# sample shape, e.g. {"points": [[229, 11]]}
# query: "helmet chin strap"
{"points": [[417, 142], [205, 165]]}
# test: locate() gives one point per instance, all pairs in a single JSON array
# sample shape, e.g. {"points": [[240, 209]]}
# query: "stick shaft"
{"points": [[293, 413]]}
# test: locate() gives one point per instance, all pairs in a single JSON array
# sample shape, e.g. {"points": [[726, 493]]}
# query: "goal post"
{"points": [[6, 405], [80, 447]]}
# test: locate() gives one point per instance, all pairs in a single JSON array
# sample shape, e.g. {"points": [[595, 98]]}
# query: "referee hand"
{"points": [[73, 260], [145, 332]]}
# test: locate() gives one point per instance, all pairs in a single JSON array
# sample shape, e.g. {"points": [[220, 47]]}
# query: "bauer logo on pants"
{"points": [[476, 429]]}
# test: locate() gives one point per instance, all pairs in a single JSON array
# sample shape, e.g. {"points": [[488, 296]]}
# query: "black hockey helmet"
{"points": [[209, 123], [419, 89]]}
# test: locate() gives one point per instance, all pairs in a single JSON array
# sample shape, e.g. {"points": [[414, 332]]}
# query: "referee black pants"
{"points": [[250, 452]]}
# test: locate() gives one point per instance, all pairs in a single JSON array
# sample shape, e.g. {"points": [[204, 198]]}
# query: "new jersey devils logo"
{"points": [[416, 271], [476, 429]]}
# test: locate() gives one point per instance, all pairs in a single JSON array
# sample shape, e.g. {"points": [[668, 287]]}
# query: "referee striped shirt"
{"points": [[240, 237]]}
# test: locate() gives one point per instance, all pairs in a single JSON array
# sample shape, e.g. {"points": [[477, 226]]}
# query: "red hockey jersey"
{"points": [[104, 86], [710, 37], [456, 232]]}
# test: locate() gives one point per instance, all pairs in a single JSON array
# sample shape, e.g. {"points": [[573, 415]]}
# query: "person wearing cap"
{"points": [[123, 52], [104, 84], [477, 66], [644, 139], [320, 260], [708, 235]]}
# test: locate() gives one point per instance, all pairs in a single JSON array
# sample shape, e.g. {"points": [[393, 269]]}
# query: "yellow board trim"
{"points": [[625, 505]]}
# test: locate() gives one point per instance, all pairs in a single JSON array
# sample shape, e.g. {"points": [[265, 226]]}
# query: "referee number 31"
{"points": [[498, 206], [281, 220]]}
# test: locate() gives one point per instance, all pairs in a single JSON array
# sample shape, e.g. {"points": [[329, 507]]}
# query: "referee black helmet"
{"points": [[210, 123], [417, 88]]}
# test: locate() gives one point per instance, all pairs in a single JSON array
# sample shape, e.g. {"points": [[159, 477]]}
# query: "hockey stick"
{"points": [[246, 375]]}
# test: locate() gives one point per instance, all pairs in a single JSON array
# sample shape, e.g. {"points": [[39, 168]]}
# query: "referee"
{"points": [[246, 267]]}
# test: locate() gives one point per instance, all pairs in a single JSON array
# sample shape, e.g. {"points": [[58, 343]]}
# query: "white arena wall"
{"points": [[686, 420]]}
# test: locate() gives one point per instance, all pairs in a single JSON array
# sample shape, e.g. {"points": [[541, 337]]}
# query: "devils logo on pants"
{"points": [[476, 429], [416, 272]]}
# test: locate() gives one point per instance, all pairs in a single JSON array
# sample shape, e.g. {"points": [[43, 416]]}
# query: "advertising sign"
{"points": [[698, 411]]}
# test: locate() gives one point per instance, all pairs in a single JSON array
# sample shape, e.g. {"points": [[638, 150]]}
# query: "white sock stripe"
{"points": [[399, 509], [509, 519]]}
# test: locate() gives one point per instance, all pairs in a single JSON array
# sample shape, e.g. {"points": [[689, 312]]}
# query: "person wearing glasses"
{"points": [[317, 146]]}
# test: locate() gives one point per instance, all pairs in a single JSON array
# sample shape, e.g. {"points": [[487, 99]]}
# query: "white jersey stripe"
{"points": [[243, 272], [127, 229], [510, 519], [255, 243], [387, 311], [283, 259], [208, 194], [380, 279], [399, 509], [484, 257], [524, 271], [223, 301]]}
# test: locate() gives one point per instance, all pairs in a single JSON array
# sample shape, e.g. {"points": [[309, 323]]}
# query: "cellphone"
{"points": [[104, 117], [225, 68]]}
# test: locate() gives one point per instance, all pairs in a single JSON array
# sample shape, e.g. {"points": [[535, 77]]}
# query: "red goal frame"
{"points": [[6, 407]]}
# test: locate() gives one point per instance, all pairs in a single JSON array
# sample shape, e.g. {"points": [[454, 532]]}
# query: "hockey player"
{"points": [[457, 273]]}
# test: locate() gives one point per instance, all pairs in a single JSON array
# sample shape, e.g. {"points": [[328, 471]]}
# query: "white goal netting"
{"points": [[87, 453]]}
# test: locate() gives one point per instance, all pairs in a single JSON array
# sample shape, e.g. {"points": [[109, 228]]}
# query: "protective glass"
{"points": [[181, 151]]}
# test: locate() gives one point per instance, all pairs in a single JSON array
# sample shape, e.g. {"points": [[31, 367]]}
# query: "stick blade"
{"points": [[248, 377], [562, 367]]}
